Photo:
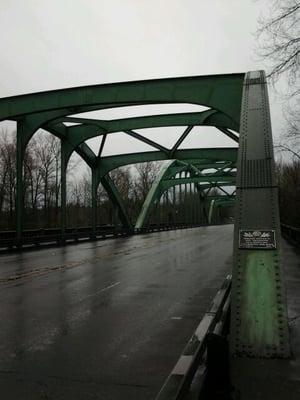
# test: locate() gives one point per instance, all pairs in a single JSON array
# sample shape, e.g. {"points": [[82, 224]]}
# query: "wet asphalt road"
{"points": [[108, 319]]}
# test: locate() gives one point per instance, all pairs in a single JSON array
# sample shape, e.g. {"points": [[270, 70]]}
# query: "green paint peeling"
{"points": [[259, 325]]}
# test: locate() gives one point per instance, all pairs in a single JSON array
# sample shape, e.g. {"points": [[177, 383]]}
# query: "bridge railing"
{"points": [[8, 239], [30, 237], [291, 232], [165, 227]]}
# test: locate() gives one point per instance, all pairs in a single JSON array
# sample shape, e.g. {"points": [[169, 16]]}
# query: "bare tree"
{"points": [[279, 46], [293, 121], [33, 176], [289, 192], [7, 173], [46, 150], [279, 34], [146, 174], [42, 187], [123, 180]]}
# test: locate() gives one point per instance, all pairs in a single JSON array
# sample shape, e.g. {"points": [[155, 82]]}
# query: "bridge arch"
{"points": [[238, 102], [193, 171]]}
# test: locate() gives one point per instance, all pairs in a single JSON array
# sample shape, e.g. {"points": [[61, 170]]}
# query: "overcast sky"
{"points": [[64, 43]]}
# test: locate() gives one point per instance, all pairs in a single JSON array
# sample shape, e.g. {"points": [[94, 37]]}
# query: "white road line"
{"points": [[100, 291], [108, 287]]}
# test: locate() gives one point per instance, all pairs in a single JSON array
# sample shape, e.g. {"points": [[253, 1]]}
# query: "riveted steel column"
{"points": [[95, 182], [259, 325], [195, 205], [190, 205], [180, 201], [169, 218], [211, 211], [64, 158], [196, 208], [185, 200], [174, 205], [25, 130], [19, 182]]}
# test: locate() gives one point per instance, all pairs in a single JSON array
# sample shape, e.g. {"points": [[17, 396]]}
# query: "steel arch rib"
{"points": [[117, 200], [237, 102], [88, 156], [219, 202], [92, 128], [153, 194], [84, 151], [33, 111], [160, 185], [106, 164], [204, 90]]}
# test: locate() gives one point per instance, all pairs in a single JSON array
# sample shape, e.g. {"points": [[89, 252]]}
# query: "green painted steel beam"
{"points": [[218, 202], [89, 157], [83, 149], [204, 90], [201, 187], [117, 200], [153, 194], [85, 152], [106, 164], [147, 141], [208, 117], [201, 166], [182, 138], [92, 128], [221, 93], [217, 180], [211, 210], [163, 182], [221, 198], [229, 134]]}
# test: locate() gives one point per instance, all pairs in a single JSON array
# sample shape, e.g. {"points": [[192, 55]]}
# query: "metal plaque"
{"points": [[257, 239]]}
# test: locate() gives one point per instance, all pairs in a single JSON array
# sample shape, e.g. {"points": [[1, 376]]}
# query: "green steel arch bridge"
{"points": [[241, 177]]}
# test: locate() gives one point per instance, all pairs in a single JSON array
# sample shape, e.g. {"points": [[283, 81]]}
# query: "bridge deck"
{"points": [[105, 320]]}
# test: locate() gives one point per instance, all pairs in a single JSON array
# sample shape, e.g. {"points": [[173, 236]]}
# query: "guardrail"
{"points": [[291, 232], [9, 240], [193, 358], [165, 227]]}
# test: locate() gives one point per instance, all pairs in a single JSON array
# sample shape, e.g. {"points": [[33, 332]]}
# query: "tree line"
{"points": [[278, 41], [42, 187]]}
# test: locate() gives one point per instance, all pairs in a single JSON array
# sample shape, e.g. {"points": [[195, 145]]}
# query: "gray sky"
{"points": [[63, 43]]}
